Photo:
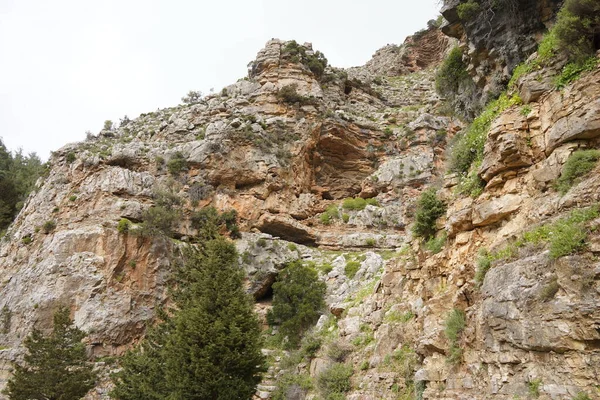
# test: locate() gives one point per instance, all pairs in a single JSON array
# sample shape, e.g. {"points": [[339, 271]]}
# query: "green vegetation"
{"points": [[451, 73], [54, 367], [358, 203], [454, 325], [577, 26], [330, 214], [534, 387], [573, 70], [467, 151], [393, 317], [578, 165], [345, 218], [158, 221], [49, 226], [484, 263], [289, 94], [208, 345], [192, 97], [177, 164], [429, 209], [563, 237], [291, 386], [124, 225], [335, 381], [298, 298], [370, 242], [468, 10], [209, 223], [316, 61], [351, 268], [26, 239], [18, 174], [573, 34], [436, 244], [71, 157]]}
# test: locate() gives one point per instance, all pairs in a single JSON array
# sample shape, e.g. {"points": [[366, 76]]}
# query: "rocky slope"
{"points": [[284, 147]]}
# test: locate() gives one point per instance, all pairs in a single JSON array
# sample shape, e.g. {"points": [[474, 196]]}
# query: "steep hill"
{"points": [[328, 166]]}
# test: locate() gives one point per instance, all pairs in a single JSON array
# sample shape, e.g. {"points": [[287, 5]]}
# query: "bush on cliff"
{"points": [[429, 209], [298, 298]]}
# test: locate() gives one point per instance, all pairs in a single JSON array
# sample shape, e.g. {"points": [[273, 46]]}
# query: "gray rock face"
{"points": [[498, 38]]}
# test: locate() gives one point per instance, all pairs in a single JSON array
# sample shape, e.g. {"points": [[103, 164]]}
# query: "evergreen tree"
{"points": [[55, 367], [209, 349], [18, 175], [298, 298]]}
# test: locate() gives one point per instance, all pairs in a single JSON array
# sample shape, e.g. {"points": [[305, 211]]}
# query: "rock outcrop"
{"points": [[297, 154]]}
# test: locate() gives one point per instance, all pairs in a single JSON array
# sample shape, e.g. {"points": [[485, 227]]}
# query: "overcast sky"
{"points": [[66, 66]]}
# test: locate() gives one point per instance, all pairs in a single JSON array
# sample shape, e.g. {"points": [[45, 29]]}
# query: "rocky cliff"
{"points": [[284, 147]]}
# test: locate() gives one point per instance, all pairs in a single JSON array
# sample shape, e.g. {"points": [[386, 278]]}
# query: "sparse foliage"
{"points": [[192, 97]]}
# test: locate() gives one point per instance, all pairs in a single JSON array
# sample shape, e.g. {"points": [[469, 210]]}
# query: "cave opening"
{"points": [[347, 88]]}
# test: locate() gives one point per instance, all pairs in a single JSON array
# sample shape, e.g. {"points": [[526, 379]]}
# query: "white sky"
{"points": [[66, 66]]}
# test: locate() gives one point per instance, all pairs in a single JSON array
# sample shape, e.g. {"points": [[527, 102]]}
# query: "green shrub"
{"points": [[370, 242], [454, 325], [573, 70], [335, 380], [158, 221], [351, 268], [435, 244], [330, 214], [564, 236], [567, 238], [316, 61], [468, 148], [484, 263], [71, 157], [372, 202], [578, 164], [262, 242], [534, 387], [577, 26], [429, 209], [26, 239], [452, 73], [73, 198], [364, 365], [298, 297], [468, 10], [124, 225], [49, 226], [289, 94], [292, 247], [357, 203], [291, 386], [177, 164], [345, 218], [326, 268]]}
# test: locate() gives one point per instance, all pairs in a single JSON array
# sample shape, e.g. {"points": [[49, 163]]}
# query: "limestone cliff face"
{"points": [[374, 132], [279, 164]]}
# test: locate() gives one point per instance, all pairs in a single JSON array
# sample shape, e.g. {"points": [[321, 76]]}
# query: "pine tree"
{"points": [[55, 367], [209, 349]]}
